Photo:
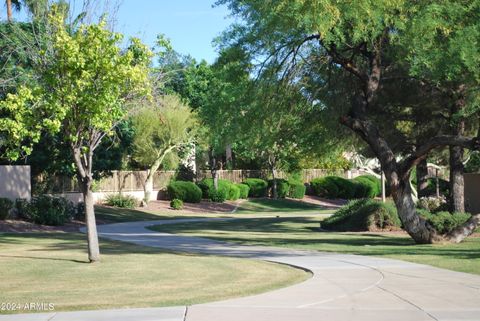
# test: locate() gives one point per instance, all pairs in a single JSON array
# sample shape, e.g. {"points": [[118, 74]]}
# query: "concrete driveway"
{"points": [[342, 287]]}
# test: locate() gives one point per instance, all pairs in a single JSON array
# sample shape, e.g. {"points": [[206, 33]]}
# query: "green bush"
{"points": [[218, 196], [444, 222], [50, 210], [120, 200], [297, 190], [258, 187], [346, 188], [5, 206], [365, 188], [233, 192], [432, 187], [226, 190], [283, 187], [324, 187], [176, 204], [22, 206], [363, 215], [243, 188], [185, 191]]}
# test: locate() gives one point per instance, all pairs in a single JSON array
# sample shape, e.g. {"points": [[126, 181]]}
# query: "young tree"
{"points": [[161, 127], [359, 39], [84, 80]]}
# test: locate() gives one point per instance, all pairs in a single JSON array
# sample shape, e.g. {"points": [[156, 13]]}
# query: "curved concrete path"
{"points": [[343, 287]]}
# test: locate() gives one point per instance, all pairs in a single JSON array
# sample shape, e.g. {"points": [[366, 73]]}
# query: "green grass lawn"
{"points": [[52, 268], [303, 233], [250, 208]]}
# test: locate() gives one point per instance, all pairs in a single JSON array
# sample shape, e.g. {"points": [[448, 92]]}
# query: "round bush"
{"points": [[377, 183], [218, 196], [176, 204], [365, 188], [5, 206], [283, 187], [258, 187], [324, 187], [363, 215], [185, 191], [226, 190], [243, 188], [297, 190]]}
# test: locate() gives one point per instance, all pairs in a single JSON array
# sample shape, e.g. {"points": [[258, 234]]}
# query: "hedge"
{"points": [[5, 206], [297, 190], [243, 188], [365, 188], [283, 187], [185, 191], [120, 200], [226, 190], [258, 187], [334, 187], [49, 210], [363, 215]]}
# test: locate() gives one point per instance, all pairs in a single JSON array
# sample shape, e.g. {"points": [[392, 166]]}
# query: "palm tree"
{"points": [[12, 4]]}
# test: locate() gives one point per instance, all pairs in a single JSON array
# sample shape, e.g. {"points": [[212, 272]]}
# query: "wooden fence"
{"points": [[127, 181]]}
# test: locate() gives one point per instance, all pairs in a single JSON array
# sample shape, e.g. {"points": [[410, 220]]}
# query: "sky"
{"points": [[191, 25]]}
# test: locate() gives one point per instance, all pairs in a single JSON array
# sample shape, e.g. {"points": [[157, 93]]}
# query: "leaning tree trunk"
{"points": [[422, 178], [420, 231], [274, 183], [148, 186]]}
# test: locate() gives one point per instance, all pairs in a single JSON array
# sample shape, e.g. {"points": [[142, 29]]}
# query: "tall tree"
{"points": [[359, 39], [84, 80], [161, 127]]}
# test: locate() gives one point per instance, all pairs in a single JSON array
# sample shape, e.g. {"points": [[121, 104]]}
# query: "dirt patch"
{"points": [[325, 202], [203, 207], [16, 226]]}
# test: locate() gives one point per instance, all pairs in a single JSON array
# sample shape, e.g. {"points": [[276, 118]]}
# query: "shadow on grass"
{"points": [[276, 205]]}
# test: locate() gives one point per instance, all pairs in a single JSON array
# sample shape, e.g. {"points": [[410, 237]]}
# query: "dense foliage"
{"points": [[185, 191], [121, 200], [258, 187], [363, 215]]}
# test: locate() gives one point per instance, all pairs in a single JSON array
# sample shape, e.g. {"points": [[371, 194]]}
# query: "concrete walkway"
{"points": [[343, 287]]}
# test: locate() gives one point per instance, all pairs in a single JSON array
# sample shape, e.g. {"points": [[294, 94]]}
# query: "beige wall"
{"points": [[472, 192], [15, 182]]}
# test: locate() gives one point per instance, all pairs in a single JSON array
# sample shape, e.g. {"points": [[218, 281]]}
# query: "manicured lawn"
{"points": [[268, 206], [303, 233], [52, 268]]}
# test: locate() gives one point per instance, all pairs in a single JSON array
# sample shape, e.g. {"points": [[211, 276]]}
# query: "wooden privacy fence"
{"points": [[127, 181]]}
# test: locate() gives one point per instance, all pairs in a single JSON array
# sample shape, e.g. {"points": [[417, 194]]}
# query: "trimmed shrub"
{"points": [[233, 192], [50, 210], [176, 204], [444, 222], [258, 187], [297, 190], [334, 187], [185, 191], [22, 206], [363, 215], [432, 203], [365, 188], [243, 188], [283, 187], [218, 196], [226, 190], [5, 206], [324, 187], [120, 200]]}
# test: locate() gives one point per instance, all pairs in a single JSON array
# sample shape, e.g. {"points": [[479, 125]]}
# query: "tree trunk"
{"points": [[422, 178], [213, 169], [274, 184], [148, 186], [457, 197], [9, 10], [83, 164], [420, 231], [228, 156], [92, 237]]}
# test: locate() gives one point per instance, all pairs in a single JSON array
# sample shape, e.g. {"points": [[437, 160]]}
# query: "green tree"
{"points": [[360, 39], [161, 127], [84, 80]]}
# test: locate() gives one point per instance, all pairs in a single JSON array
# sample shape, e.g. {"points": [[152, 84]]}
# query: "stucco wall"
{"points": [[15, 182]]}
